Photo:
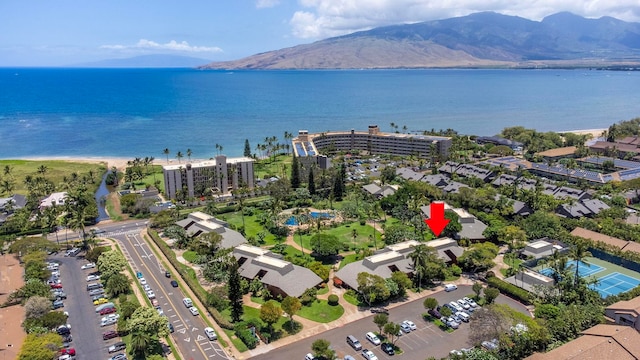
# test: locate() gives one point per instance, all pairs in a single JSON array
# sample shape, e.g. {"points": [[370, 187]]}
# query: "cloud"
{"points": [[144, 44], [261, 4], [326, 18]]}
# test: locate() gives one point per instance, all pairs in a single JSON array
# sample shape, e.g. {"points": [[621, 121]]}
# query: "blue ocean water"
{"points": [[140, 112]]}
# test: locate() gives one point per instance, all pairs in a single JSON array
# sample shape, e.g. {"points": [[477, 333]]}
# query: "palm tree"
{"points": [[420, 256], [179, 155], [7, 186], [166, 152], [189, 153], [140, 342], [42, 170], [579, 252]]}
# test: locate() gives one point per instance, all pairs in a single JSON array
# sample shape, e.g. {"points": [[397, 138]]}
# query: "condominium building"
{"points": [[372, 141], [220, 175]]}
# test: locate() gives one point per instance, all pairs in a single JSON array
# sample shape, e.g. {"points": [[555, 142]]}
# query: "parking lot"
{"points": [[85, 322], [427, 340]]}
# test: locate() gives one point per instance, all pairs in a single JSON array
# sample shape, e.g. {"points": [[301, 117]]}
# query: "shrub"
{"points": [[490, 274], [224, 323], [455, 270], [333, 299], [510, 290], [247, 338]]}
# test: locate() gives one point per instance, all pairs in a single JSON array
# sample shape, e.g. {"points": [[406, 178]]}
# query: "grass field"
{"points": [[55, 171], [320, 311]]}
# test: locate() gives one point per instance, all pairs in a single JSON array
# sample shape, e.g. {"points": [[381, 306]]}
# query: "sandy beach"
{"points": [[595, 133], [119, 163]]}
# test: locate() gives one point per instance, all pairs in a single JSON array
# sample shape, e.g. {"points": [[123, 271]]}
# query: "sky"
{"points": [[67, 32]]}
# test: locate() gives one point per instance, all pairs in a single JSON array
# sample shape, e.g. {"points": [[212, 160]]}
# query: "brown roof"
{"points": [[595, 236], [563, 151], [619, 146], [632, 305], [599, 342]]}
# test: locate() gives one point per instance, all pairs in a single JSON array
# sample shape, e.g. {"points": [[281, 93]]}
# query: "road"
{"points": [[189, 330], [428, 340], [111, 229], [85, 323]]}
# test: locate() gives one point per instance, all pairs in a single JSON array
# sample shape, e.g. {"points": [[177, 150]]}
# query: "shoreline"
{"points": [[121, 162]]}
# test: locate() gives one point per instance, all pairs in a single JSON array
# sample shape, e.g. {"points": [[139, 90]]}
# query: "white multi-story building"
{"points": [[220, 175]]}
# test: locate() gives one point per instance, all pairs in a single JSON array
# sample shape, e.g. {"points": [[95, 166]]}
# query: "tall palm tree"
{"points": [[189, 153], [179, 155], [166, 152], [420, 256], [579, 252], [42, 169]]}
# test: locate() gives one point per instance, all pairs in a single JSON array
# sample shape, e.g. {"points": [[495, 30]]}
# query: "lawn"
{"points": [[320, 311], [55, 171], [348, 259], [190, 256], [352, 298], [267, 167], [345, 234], [252, 226]]}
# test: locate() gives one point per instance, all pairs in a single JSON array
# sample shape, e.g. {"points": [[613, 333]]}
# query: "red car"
{"points": [[109, 335], [106, 311], [56, 286], [68, 351]]}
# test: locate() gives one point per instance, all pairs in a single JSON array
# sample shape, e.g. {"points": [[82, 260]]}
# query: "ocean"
{"points": [[140, 112]]}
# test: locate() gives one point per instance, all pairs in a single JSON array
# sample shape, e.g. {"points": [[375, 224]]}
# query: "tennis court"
{"points": [[614, 284], [584, 269], [612, 279]]}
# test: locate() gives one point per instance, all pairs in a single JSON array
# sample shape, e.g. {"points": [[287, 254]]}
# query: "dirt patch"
{"points": [[11, 317]]}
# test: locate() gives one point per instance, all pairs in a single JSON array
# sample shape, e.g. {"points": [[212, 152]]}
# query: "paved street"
{"points": [[428, 340], [189, 330]]}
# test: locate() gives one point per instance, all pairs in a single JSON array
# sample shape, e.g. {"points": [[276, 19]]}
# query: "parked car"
{"points": [[68, 351], [93, 277], [211, 334], [159, 310], [404, 327], [151, 294], [147, 287], [450, 287], [454, 306], [490, 345], [88, 266], [354, 343], [107, 311], [450, 322], [435, 313], [463, 316], [63, 330], [118, 357], [194, 311], [464, 304], [139, 275], [387, 348], [171, 328], [372, 338], [57, 304], [369, 355], [309, 356], [104, 306], [470, 301], [100, 301], [143, 281], [174, 283], [111, 334], [154, 302], [187, 302], [411, 325], [167, 274], [56, 286], [60, 295], [96, 292], [117, 347]]}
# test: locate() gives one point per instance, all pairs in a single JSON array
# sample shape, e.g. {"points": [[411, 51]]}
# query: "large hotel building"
{"points": [[221, 173], [372, 142]]}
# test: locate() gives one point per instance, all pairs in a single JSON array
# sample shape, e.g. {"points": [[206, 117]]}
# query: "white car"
{"points": [[88, 266], [151, 294], [369, 355], [464, 304], [143, 281], [187, 302], [373, 338], [93, 277], [147, 287], [463, 316], [106, 322], [404, 327], [111, 317], [194, 311], [410, 324], [211, 334], [470, 301], [450, 287], [456, 306]]}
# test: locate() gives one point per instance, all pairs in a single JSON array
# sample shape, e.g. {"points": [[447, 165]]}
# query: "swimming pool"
{"points": [[292, 221]]}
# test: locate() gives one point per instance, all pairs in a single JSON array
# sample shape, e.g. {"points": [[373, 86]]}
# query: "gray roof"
{"points": [[371, 188], [200, 223], [18, 201], [449, 167], [565, 192], [468, 170], [472, 230], [503, 180], [292, 279], [454, 187], [518, 207], [409, 174], [436, 180]]}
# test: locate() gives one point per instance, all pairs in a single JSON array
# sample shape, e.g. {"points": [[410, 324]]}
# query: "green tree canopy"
{"points": [[270, 313], [373, 288], [110, 263], [325, 244], [147, 320]]}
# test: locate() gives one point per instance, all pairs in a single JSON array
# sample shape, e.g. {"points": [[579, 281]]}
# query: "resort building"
{"points": [[198, 223], [394, 258], [472, 228], [281, 277], [220, 175], [625, 312], [372, 141]]}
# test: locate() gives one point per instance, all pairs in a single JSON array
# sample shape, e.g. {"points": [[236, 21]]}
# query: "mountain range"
{"points": [[485, 39]]}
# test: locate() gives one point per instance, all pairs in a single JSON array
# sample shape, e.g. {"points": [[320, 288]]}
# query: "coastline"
{"points": [[595, 133]]}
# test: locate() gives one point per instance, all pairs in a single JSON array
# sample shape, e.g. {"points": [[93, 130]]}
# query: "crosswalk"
{"points": [[120, 233]]}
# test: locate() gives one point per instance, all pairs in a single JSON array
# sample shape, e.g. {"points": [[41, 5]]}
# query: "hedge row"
{"points": [[511, 290]]}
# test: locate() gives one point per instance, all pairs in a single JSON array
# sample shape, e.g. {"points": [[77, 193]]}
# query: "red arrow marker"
{"points": [[437, 222]]}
